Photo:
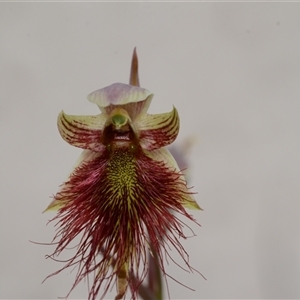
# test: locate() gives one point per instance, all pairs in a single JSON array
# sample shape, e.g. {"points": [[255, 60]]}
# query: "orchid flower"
{"points": [[123, 195]]}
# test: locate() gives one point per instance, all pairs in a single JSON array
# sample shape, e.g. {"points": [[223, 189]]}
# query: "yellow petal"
{"points": [[163, 154], [156, 131], [55, 205], [82, 131]]}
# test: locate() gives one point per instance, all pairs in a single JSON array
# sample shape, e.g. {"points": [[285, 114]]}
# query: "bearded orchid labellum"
{"points": [[121, 197]]}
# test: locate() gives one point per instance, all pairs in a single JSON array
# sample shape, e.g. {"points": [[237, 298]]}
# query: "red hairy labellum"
{"points": [[122, 198]]}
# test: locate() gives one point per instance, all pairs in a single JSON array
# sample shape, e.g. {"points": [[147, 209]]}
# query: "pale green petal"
{"points": [[54, 205], [156, 131], [133, 99], [163, 154], [82, 131]]}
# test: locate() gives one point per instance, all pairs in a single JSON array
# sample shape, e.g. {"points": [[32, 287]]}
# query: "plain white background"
{"points": [[233, 72]]}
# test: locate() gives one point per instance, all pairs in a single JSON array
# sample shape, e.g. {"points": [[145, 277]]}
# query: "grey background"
{"points": [[231, 69]]}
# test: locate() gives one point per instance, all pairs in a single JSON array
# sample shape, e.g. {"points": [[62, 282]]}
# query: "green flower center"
{"points": [[119, 120]]}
